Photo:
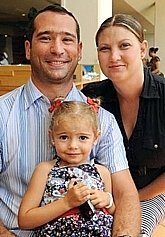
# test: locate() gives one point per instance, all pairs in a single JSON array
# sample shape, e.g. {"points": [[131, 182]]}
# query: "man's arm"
{"points": [[4, 232], [127, 217]]}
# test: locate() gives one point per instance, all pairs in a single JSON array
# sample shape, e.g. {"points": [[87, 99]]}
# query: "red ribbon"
{"points": [[55, 105], [93, 104]]}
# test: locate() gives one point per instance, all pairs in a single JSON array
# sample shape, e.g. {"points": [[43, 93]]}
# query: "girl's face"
{"points": [[73, 140], [120, 53]]}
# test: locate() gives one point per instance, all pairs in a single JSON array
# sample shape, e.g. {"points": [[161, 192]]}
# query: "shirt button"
{"points": [[156, 146]]}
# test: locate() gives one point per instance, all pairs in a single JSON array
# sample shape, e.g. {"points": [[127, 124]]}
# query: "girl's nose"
{"points": [[73, 144]]}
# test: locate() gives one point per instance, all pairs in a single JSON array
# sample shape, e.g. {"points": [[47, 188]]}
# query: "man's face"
{"points": [[54, 51]]}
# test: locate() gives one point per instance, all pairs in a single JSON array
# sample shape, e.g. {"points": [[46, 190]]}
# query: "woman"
{"points": [[154, 62], [137, 99]]}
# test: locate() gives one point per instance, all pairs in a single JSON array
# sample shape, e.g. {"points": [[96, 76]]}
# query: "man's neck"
{"points": [[52, 91]]}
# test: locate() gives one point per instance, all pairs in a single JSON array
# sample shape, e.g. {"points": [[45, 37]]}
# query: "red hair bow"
{"points": [[55, 105], [93, 104]]}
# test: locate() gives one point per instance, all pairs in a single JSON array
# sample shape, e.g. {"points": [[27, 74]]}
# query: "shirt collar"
{"points": [[32, 94], [75, 94], [149, 88]]}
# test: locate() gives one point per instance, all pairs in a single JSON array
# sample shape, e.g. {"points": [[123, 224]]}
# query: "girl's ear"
{"points": [[97, 138], [144, 49], [51, 137]]}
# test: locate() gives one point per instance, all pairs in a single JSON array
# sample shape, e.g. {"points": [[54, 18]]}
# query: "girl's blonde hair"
{"points": [[76, 110]]}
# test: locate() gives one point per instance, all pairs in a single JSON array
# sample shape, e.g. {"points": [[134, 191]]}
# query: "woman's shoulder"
{"points": [[95, 89]]}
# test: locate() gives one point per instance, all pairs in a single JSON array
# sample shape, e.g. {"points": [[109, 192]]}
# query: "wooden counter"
{"points": [[12, 76]]}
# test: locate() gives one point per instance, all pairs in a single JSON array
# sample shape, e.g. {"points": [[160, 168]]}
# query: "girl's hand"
{"points": [[77, 194], [99, 198]]}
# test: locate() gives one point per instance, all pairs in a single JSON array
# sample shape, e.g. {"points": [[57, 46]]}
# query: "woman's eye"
{"points": [[125, 45], [103, 49]]}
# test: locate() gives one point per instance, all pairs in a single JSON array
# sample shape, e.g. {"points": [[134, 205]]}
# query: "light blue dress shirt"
{"points": [[24, 142]]}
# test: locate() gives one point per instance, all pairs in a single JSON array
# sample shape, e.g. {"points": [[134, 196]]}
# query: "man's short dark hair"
{"points": [[53, 8]]}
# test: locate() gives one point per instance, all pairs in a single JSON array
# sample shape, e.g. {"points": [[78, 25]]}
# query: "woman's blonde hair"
{"points": [[122, 20]]}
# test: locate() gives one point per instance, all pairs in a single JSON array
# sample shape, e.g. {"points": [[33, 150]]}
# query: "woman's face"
{"points": [[120, 53]]}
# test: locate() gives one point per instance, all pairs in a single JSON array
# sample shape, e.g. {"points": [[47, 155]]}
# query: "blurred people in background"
{"points": [[154, 62]]}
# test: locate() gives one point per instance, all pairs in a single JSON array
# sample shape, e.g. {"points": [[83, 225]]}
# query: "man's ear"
{"points": [[27, 49], [79, 51]]}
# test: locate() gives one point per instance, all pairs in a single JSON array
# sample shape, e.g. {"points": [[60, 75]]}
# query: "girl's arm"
{"points": [[100, 198], [31, 215]]}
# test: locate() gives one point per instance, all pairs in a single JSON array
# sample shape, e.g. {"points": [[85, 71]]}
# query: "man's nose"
{"points": [[57, 47]]}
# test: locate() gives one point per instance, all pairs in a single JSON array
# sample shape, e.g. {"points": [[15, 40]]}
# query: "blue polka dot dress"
{"points": [[74, 224]]}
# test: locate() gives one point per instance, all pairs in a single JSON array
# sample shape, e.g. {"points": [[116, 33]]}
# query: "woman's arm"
{"points": [[153, 189]]}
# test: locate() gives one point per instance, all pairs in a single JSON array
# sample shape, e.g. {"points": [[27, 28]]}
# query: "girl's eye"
{"points": [[64, 137], [83, 138]]}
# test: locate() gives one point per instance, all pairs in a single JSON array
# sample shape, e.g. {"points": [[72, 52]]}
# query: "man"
{"points": [[54, 49]]}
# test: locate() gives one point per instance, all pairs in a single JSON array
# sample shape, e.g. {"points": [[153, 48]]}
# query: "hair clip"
{"points": [[57, 103], [93, 104]]}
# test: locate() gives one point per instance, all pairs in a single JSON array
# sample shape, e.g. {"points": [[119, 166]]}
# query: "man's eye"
{"points": [[68, 40], [45, 39]]}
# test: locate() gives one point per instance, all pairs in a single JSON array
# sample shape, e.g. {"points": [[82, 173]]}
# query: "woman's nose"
{"points": [[115, 55]]}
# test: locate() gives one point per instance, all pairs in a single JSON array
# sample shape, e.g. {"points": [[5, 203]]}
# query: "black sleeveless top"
{"points": [[146, 147]]}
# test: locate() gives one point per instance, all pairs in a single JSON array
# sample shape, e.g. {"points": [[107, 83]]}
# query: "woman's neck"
{"points": [[130, 89]]}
